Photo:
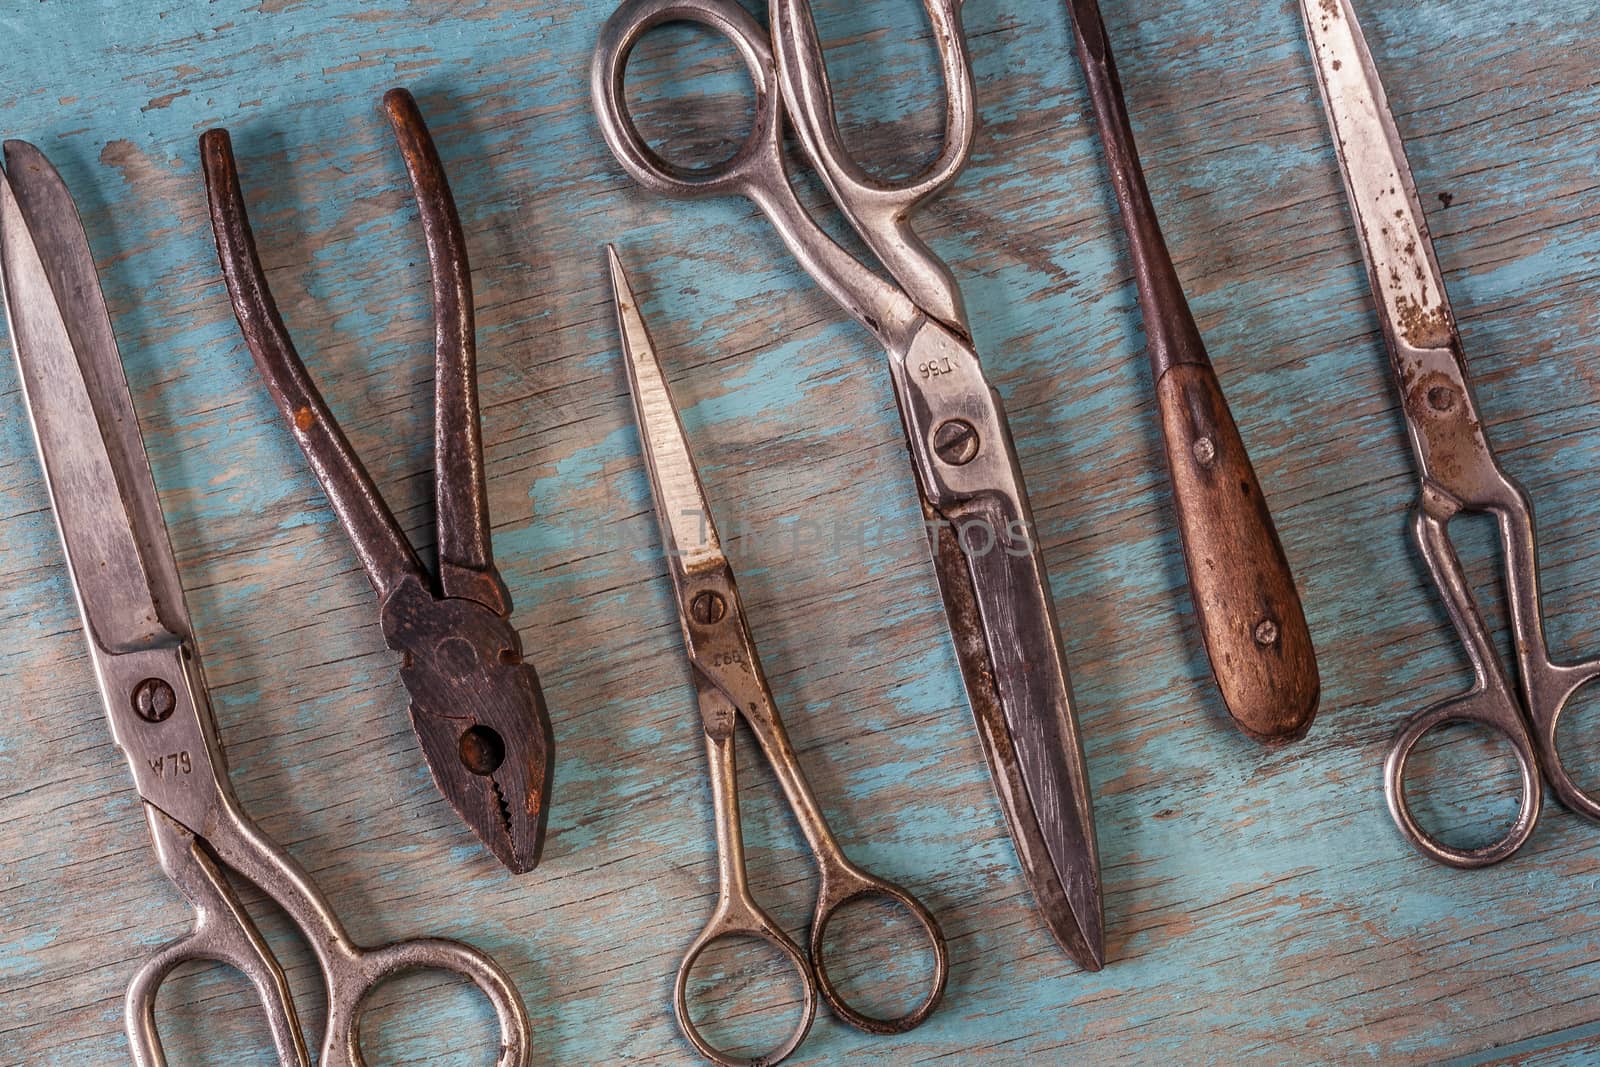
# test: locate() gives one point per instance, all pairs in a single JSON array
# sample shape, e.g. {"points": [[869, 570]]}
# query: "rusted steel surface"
{"points": [[475, 704], [1260, 906]]}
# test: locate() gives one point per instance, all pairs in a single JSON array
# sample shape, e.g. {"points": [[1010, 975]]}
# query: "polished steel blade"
{"points": [[1405, 276], [687, 533], [1009, 650], [87, 434]]}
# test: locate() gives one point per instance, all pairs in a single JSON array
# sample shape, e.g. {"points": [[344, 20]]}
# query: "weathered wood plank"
{"points": [[1260, 906]]}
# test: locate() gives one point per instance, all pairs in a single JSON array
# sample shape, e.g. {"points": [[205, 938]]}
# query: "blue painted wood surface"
{"points": [[1260, 906]]}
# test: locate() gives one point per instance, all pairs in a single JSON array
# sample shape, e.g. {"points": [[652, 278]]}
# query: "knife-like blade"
{"points": [[87, 434], [997, 600], [1405, 276], [687, 534]]}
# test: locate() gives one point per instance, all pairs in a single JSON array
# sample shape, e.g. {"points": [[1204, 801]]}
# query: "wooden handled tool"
{"points": [[1244, 595]]}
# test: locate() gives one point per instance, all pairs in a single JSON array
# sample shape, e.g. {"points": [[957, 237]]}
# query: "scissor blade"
{"points": [[87, 434], [1405, 276], [687, 532], [1009, 650]]}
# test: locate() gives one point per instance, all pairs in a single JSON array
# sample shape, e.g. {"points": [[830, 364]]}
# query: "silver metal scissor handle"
{"points": [[879, 211], [224, 933], [1529, 726], [737, 915], [730, 687], [1547, 687]]}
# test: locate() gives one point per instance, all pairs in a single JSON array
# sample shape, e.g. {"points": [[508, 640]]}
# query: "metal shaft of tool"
{"points": [[466, 556], [379, 542], [1244, 595]]}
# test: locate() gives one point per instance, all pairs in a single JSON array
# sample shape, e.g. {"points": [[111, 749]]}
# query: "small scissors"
{"points": [[731, 686], [987, 559], [475, 704], [142, 646], [1459, 470]]}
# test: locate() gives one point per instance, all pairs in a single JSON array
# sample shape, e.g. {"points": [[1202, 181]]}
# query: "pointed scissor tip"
{"points": [[20, 155], [630, 323], [1081, 936], [621, 291]]}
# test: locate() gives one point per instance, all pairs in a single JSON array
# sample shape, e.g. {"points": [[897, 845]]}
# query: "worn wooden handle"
{"points": [[1250, 615]]}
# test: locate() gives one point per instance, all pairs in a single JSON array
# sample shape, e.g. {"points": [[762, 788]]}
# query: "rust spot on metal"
{"points": [[303, 419], [1447, 424], [1422, 327]]}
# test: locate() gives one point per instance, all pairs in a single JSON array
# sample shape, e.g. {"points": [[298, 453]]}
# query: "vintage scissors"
{"points": [[142, 645], [731, 686], [987, 558], [1459, 470], [476, 706]]}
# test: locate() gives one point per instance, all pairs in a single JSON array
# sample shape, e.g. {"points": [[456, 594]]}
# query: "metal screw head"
{"points": [[955, 442], [1266, 632], [1441, 398], [708, 607], [154, 700], [1204, 451]]}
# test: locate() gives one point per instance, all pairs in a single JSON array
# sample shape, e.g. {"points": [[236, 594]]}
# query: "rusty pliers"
{"points": [[476, 706]]}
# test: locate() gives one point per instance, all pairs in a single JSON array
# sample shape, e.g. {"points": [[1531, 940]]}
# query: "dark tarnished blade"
{"points": [[1015, 676], [88, 436]]}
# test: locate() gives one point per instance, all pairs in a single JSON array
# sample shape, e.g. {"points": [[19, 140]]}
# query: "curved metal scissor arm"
{"points": [[756, 171], [172, 750], [1526, 717], [880, 211], [731, 686]]}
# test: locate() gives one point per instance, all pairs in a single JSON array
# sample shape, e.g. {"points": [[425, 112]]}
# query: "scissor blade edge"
{"points": [[49, 221], [1407, 285], [87, 488], [687, 531], [1062, 870]]}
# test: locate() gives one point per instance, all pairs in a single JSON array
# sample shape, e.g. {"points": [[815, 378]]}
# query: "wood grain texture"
{"points": [[1260, 906], [1246, 606]]}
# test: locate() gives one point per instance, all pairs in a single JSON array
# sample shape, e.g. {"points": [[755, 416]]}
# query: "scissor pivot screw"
{"points": [[956, 442], [1204, 451], [1266, 632], [154, 700], [1441, 398], [707, 608]]}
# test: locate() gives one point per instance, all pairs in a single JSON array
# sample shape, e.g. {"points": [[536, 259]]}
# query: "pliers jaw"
{"points": [[471, 695]]}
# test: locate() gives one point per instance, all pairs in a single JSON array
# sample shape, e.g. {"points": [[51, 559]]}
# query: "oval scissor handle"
{"points": [[1550, 691], [1495, 711], [349, 971], [362, 970], [1547, 687], [849, 883], [223, 933], [740, 916], [756, 168], [756, 171]]}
